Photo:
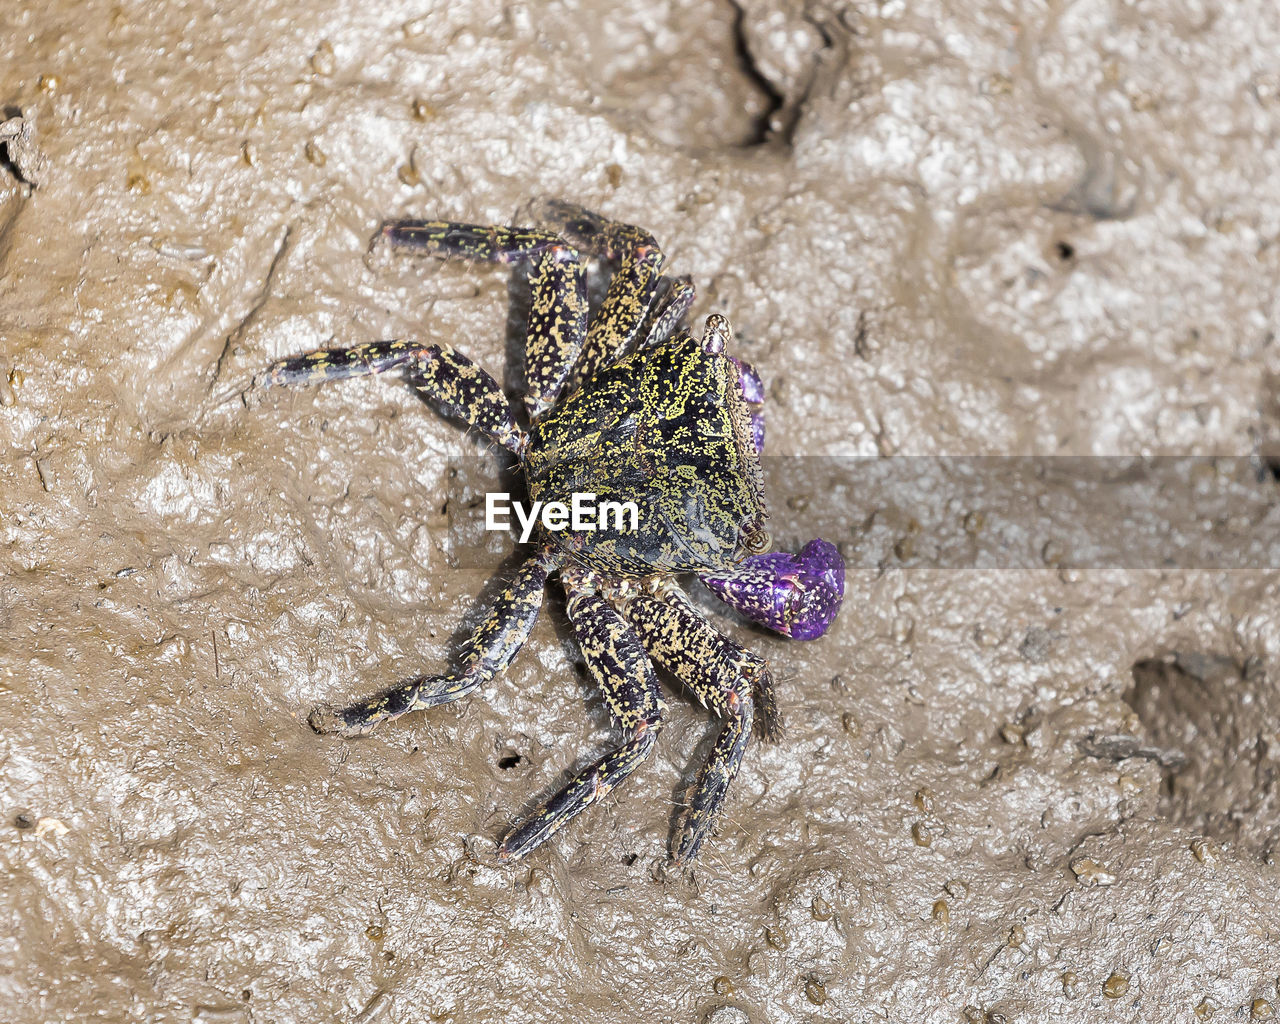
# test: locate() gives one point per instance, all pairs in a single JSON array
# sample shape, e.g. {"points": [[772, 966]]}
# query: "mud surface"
{"points": [[938, 228]]}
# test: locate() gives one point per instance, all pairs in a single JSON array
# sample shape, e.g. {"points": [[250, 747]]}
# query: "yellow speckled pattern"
{"points": [[620, 667], [489, 650], [616, 660], [435, 371], [638, 262], [723, 676], [557, 326], [668, 429], [490, 243]]}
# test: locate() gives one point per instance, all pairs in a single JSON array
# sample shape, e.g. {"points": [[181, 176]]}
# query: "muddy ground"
{"points": [[940, 229]]}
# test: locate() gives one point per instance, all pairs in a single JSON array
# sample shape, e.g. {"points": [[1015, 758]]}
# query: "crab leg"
{"points": [[489, 243], [620, 667], [558, 314], [675, 305], [631, 290], [437, 372], [723, 676], [489, 650]]}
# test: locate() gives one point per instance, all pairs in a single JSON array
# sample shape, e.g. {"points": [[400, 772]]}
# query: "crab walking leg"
{"points": [[436, 371], [558, 315], [620, 667], [675, 306], [488, 243], [557, 326], [723, 676], [489, 650], [631, 290]]}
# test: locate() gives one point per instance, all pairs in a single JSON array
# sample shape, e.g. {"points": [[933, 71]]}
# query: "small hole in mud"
{"points": [[246, 995], [24, 821], [1065, 250], [508, 761], [1214, 709], [630, 859]]}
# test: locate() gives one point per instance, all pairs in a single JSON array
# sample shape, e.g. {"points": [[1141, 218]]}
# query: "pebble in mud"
{"points": [[1116, 985], [1205, 1009], [1090, 872], [1261, 1009], [815, 991], [1205, 851]]}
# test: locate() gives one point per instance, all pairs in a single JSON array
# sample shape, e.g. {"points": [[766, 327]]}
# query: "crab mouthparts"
{"points": [[796, 595]]}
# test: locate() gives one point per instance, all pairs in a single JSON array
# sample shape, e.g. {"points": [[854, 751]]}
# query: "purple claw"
{"points": [[796, 595]]}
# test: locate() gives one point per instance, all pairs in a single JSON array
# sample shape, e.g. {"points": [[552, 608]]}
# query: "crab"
{"points": [[625, 405]]}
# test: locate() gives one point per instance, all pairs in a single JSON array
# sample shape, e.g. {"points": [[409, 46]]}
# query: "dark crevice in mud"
{"points": [[776, 126], [762, 132], [1208, 720], [1268, 437]]}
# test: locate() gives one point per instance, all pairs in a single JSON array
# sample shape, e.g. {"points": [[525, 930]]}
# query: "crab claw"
{"points": [[796, 595]]}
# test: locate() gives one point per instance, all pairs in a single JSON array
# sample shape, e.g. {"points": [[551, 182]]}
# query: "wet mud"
{"points": [[938, 229]]}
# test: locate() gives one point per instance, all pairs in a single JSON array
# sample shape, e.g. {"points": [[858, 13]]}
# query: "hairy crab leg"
{"points": [[488, 652], [631, 290], [618, 664], [726, 678], [437, 372], [557, 325]]}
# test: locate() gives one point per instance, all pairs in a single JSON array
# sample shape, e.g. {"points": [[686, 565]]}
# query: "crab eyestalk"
{"points": [[796, 595]]}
